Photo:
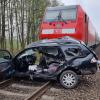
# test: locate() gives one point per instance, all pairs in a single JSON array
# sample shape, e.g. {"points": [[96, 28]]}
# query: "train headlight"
{"points": [[48, 31], [69, 30]]}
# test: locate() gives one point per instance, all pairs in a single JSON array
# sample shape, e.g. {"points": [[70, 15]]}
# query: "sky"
{"points": [[91, 7]]}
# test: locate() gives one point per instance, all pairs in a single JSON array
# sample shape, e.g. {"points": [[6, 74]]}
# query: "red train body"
{"points": [[68, 21]]}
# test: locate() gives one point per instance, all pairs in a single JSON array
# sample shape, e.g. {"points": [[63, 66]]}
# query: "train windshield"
{"points": [[65, 14]]}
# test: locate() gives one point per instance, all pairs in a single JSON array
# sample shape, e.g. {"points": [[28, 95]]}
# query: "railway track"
{"points": [[22, 90]]}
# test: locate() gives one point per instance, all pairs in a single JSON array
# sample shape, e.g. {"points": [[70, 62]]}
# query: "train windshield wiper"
{"points": [[59, 17]]}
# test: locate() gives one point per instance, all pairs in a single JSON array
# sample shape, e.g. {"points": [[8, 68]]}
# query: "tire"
{"points": [[68, 79]]}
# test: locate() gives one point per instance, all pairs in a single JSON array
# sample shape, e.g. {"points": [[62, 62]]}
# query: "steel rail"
{"points": [[39, 92], [5, 83]]}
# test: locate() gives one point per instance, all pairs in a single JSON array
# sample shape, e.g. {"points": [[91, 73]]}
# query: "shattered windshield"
{"points": [[66, 14]]}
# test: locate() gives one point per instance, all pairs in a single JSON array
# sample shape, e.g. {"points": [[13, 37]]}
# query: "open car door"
{"points": [[6, 68]]}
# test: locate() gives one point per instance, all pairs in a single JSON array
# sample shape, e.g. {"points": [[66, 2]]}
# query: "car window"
{"points": [[51, 51], [27, 52], [4, 55], [72, 52], [85, 51]]}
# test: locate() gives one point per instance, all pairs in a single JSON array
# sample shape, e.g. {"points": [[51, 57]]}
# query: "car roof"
{"points": [[54, 42]]}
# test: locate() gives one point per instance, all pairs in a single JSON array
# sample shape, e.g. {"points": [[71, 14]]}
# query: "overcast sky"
{"points": [[92, 7]]}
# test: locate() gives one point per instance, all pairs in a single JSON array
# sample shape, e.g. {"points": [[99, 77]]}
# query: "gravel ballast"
{"points": [[88, 89]]}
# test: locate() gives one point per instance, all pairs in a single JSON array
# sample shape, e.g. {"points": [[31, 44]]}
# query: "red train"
{"points": [[68, 21]]}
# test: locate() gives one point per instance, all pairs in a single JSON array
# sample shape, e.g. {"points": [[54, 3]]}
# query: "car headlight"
{"points": [[69, 30], [93, 60], [48, 31]]}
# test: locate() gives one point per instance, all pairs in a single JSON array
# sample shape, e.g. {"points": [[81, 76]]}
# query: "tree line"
{"points": [[19, 22]]}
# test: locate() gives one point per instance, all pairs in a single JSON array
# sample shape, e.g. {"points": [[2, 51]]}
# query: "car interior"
{"points": [[38, 60]]}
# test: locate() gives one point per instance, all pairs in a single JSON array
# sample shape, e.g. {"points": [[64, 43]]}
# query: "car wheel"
{"points": [[69, 79]]}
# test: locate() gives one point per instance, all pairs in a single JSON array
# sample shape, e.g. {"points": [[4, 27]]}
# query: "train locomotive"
{"points": [[70, 21]]}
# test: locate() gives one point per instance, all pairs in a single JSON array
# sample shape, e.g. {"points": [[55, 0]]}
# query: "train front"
{"points": [[59, 22]]}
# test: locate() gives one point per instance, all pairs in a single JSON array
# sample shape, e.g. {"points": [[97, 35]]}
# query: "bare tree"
{"points": [[19, 22]]}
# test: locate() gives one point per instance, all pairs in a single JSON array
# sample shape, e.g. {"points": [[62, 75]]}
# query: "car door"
{"points": [[5, 63], [5, 56]]}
